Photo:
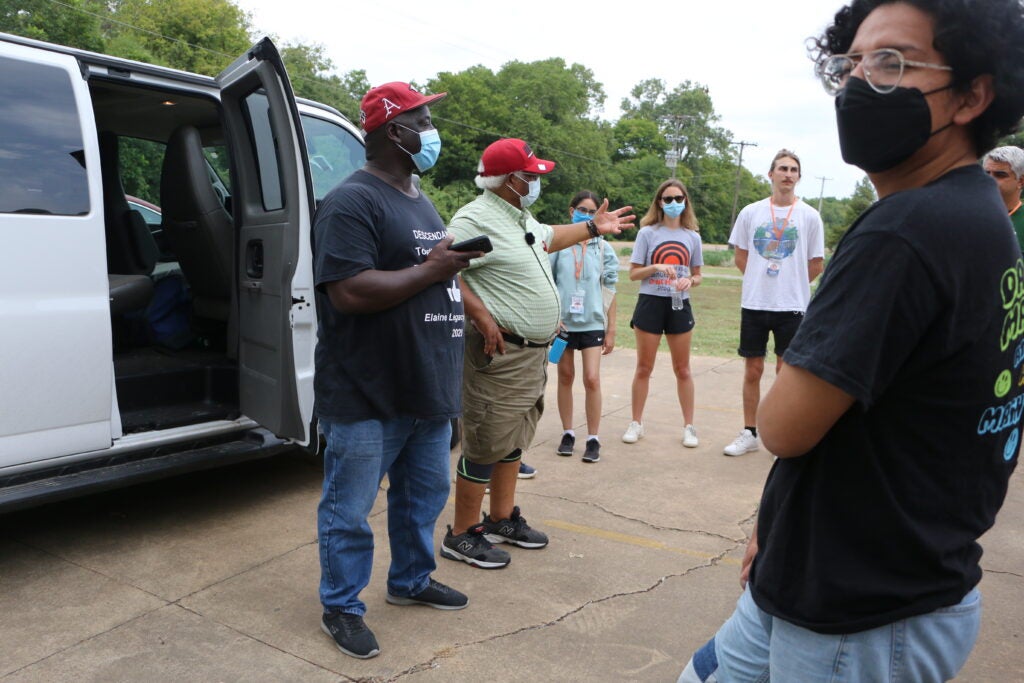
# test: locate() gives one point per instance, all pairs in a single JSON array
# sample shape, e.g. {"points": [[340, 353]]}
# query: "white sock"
{"points": [[570, 432], [594, 437]]}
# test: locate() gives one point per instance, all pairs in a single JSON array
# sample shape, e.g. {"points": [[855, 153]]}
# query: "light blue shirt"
{"points": [[599, 266]]}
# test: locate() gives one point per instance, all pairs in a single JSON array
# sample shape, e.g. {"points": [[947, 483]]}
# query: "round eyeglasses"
{"points": [[883, 69], [678, 198]]}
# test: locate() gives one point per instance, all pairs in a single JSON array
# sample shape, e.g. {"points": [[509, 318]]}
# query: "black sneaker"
{"points": [[593, 452], [436, 594], [473, 548], [513, 530], [565, 448], [350, 634]]}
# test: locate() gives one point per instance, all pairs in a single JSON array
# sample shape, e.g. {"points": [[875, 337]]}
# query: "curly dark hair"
{"points": [[975, 36]]}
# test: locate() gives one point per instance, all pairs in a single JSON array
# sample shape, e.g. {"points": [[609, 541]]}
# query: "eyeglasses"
{"points": [[589, 212], [678, 198], [883, 69]]}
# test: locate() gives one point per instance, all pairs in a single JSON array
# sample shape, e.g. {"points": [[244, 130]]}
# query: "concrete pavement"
{"points": [[213, 577]]}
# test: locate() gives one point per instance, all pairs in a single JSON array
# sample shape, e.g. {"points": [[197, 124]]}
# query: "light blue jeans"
{"points": [[752, 646], [415, 456]]}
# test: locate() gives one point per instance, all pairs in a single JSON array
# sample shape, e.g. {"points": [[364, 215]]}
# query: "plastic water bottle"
{"points": [[557, 347], [678, 300]]}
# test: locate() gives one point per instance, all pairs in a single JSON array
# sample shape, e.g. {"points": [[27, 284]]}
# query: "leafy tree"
{"points": [[203, 36], [309, 71], [45, 20], [863, 197]]}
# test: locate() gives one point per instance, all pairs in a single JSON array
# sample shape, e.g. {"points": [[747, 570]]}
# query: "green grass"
{"points": [[716, 307]]}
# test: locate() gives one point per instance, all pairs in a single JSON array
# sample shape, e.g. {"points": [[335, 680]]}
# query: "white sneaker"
{"points": [[744, 443], [690, 437], [634, 432]]}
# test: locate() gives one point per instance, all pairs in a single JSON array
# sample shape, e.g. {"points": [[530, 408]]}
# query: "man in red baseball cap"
{"points": [[383, 103], [511, 299], [388, 361]]}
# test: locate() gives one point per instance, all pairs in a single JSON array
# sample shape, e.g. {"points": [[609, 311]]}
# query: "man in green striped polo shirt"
{"points": [[513, 307]]}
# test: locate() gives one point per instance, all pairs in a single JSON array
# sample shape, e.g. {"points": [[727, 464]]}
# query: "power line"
{"points": [[698, 181]]}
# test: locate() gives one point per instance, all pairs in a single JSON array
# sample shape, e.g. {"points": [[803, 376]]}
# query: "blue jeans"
{"points": [[415, 456], [756, 647]]}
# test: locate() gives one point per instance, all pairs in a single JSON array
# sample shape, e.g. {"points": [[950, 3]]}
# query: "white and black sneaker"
{"points": [[436, 595], [350, 634], [473, 548], [513, 530]]}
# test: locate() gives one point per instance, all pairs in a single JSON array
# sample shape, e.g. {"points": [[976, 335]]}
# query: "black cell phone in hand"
{"points": [[481, 243]]}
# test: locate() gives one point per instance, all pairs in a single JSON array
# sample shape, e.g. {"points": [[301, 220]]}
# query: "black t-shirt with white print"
{"points": [[919, 317], [405, 361]]}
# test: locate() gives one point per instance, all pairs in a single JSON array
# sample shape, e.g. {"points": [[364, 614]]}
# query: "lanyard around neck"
{"points": [[579, 263], [777, 232]]}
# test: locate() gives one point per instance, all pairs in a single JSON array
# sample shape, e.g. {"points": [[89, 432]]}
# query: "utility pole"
{"points": [[673, 155], [736, 190], [821, 195]]}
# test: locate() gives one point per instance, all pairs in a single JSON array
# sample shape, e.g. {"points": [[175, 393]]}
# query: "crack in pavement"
{"points": [[433, 663], [657, 527], [1003, 572]]}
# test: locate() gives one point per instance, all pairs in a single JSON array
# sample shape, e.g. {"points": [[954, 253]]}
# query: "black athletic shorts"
{"points": [[584, 340], [654, 314], [755, 326]]}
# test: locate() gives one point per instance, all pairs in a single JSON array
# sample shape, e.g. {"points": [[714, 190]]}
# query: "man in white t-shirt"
{"points": [[780, 249]]}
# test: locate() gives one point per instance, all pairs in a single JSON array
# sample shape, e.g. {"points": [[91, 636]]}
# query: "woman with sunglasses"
{"points": [[581, 272], [667, 259]]}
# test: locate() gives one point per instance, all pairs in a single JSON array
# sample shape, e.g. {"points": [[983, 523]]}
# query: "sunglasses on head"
{"points": [[678, 198]]}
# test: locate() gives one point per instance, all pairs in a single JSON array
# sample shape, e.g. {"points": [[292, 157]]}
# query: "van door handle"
{"points": [[254, 259]]}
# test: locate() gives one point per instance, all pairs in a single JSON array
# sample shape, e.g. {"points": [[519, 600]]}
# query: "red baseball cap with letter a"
{"points": [[509, 155], [385, 102]]}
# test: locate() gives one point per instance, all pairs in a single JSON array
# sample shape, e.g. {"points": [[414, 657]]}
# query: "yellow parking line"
{"points": [[635, 540]]}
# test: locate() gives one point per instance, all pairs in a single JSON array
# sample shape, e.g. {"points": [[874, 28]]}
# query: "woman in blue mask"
{"points": [[582, 274], [667, 260]]}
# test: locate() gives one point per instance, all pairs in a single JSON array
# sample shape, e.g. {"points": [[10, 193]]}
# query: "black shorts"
{"points": [[584, 340], [654, 314], [755, 326]]}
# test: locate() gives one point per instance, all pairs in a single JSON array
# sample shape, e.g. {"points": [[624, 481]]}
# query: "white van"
{"points": [[133, 349]]}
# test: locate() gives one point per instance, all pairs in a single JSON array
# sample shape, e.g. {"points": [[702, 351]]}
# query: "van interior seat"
{"points": [[131, 248], [129, 292], [197, 226]]}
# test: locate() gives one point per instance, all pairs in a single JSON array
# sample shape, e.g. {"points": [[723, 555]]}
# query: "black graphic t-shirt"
{"points": [[405, 361], [920, 317]]}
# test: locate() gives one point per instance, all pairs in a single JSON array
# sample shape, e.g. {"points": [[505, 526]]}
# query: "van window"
{"points": [[42, 164], [258, 109], [334, 153]]}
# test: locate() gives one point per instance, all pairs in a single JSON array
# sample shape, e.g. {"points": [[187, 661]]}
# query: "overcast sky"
{"points": [[751, 54]]}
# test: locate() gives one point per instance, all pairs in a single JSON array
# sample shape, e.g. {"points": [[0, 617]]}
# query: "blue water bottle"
{"points": [[557, 347]]}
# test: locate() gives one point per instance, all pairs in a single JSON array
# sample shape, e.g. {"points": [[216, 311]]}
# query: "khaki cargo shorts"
{"points": [[502, 398]]}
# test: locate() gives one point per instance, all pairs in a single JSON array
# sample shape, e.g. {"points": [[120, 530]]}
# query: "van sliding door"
{"points": [[272, 203]]}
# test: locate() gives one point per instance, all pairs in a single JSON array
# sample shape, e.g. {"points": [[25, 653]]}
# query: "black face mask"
{"points": [[878, 132]]}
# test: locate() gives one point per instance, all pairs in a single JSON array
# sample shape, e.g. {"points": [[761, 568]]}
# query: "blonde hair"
{"points": [[656, 215]]}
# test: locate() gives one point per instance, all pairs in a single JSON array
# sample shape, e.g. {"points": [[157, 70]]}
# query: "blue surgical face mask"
{"points": [[580, 217], [531, 194], [430, 148], [674, 209]]}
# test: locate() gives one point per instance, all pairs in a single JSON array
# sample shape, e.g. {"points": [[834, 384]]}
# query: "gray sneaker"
{"points": [[593, 451], [474, 549], [565, 448], [513, 530], [350, 634], [436, 595]]}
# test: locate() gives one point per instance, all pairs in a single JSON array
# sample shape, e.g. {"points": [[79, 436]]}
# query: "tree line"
{"points": [[554, 105]]}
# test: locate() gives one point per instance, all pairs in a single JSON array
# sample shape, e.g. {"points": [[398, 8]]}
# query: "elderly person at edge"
{"points": [[513, 305]]}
